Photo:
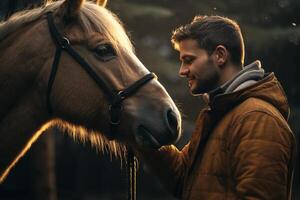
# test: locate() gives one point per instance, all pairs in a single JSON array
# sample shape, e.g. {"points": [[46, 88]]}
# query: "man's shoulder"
{"points": [[255, 105]]}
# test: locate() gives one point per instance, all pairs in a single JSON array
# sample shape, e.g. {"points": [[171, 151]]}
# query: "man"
{"points": [[242, 146]]}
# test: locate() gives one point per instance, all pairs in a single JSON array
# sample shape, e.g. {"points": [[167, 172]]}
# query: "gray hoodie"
{"points": [[246, 77], [249, 75]]}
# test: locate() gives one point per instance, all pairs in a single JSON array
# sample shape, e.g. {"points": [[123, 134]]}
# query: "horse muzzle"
{"points": [[154, 136]]}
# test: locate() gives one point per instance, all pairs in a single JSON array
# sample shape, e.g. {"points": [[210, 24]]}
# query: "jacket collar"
{"points": [[267, 89]]}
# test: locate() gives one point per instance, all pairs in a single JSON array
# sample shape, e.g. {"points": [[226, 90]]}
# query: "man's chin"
{"points": [[197, 91]]}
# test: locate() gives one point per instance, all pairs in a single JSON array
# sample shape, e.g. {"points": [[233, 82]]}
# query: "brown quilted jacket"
{"points": [[242, 148]]}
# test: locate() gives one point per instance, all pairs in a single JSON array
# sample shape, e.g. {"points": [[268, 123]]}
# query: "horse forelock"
{"points": [[96, 18]]}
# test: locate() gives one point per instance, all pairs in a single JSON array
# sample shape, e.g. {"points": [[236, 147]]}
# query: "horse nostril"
{"points": [[172, 122]]}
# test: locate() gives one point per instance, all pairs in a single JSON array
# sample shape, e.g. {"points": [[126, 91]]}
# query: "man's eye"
{"points": [[105, 52], [188, 60]]}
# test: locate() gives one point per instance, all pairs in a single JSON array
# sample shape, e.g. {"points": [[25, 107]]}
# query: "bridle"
{"points": [[115, 98]]}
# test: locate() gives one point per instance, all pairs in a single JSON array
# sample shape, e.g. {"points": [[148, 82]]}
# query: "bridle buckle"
{"points": [[64, 42], [121, 94]]}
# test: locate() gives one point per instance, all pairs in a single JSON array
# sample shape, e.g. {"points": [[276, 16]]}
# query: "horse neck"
{"points": [[23, 114], [23, 55], [19, 129]]}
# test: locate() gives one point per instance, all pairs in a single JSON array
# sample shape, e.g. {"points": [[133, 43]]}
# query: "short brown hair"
{"points": [[211, 31]]}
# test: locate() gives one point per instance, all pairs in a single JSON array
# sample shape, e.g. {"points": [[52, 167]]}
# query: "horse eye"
{"points": [[105, 52]]}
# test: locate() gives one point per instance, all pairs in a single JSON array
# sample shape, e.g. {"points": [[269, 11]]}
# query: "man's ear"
{"points": [[221, 55], [70, 9]]}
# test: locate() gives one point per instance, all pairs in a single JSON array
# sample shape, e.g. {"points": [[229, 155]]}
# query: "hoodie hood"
{"points": [[246, 77], [243, 87]]}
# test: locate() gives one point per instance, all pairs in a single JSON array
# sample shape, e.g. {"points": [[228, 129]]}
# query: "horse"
{"points": [[70, 64]]}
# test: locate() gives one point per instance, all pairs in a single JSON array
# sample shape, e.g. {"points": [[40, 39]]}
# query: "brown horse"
{"points": [[74, 101]]}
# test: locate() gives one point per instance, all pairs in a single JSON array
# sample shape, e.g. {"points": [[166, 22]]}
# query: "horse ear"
{"points": [[70, 8], [101, 2]]}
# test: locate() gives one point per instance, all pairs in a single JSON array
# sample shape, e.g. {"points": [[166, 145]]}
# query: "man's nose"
{"points": [[183, 71]]}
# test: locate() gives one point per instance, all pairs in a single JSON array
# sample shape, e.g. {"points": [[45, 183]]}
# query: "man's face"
{"points": [[198, 67]]}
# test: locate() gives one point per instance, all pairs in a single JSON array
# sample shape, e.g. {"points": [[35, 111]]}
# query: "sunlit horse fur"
{"points": [[79, 106]]}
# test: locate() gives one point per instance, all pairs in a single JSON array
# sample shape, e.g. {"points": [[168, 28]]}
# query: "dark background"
{"points": [[58, 168]]}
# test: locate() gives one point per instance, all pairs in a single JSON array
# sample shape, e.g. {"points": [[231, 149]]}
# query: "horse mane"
{"points": [[92, 18], [21, 18], [96, 140]]}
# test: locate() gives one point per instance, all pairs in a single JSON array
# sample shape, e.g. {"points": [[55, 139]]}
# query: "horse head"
{"points": [[148, 115], [72, 94]]}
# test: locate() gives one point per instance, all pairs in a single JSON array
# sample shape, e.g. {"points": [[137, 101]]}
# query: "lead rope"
{"points": [[131, 173]]}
